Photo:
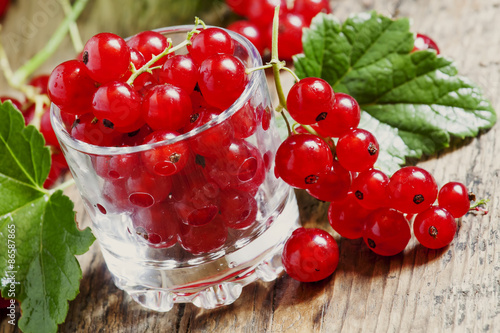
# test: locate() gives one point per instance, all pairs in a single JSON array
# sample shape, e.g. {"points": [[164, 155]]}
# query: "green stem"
{"points": [[274, 40], [30, 66], [147, 67], [73, 28], [275, 62], [279, 86], [64, 185], [277, 66], [254, 69], [296, 78], [478, 203], [40, 102]]}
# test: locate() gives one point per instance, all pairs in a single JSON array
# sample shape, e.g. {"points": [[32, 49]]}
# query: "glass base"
{"points": [[209, 284]]}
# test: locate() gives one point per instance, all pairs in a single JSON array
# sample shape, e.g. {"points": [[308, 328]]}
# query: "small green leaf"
{"points": [[417, 99], [39, 226]]}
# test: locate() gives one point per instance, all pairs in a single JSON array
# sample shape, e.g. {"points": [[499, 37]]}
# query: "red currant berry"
{"points": [[245, 121], [166, 107], [251, 31], [423, 42], [434, 228], [412, 190], [310, 8], [59, 160], [454, 197], [137, 137], [345, 115], [303, 160], [180, 71], [310, 255], [210, 141], [119, 104], [203, 239], [261, 12], [238, 209], [4, 6], [347, 217], [115, 167], [334, 186], [222, 80], [240, 7], [310, 100], [193, 216], [195, 198], [116, 196], [144, 190], [28, 113], [157, 224], [56, 170], [370, 188], [387, 232], [15, 102], [209, 42], [289, 35], [168, 159], [150, 44], [89, 129], [71, 88], [145, 79], [4, 302], [239, 166], [41, 82], [266, 117], [46, 129], [106, 56], [357, 150]]}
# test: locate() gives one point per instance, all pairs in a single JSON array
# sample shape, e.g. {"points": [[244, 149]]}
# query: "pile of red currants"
{"points": [[257, 25], [108, 102], [204, 185], [365, 202]]}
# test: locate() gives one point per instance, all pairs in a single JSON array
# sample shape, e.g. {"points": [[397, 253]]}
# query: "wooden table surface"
{"points": [[454, 289]]}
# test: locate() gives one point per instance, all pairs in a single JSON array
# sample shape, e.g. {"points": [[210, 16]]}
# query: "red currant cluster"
{"points": [[202, 186], [365, 202], [112, 99], [424, 42], [258, 25], [4, 6]]}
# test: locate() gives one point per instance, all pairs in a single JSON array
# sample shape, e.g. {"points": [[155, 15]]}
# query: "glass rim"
{"points": [[254, 77]]}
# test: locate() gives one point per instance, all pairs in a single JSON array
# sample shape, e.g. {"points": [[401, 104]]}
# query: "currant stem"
{"points": [[40, 101], [478, 206], [147, 66], [169, 49], [73, 28], [311, 130], [254, 69], [287, 123], [23, 72], [64, 185], [328, 140], [296, 78]]}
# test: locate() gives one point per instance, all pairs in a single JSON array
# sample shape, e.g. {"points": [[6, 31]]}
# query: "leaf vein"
{"points": [[17, 161]]}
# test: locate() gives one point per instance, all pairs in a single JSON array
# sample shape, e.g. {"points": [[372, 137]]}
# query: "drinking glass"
{"points": [[201, 234]]}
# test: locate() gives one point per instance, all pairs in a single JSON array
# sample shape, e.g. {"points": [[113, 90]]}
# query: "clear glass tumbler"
{"points": [[201, 234]]}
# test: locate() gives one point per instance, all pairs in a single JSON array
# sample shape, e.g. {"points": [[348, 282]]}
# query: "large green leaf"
{"points": [[38, 227], [412, 101]]}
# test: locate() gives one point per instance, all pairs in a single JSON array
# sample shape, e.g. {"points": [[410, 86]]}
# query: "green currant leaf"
{"points": [[38, 233], [412, 102]]}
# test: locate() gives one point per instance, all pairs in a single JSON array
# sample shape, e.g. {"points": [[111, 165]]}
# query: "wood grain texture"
{"points": [[456, 289]]}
